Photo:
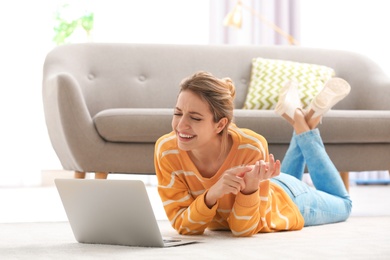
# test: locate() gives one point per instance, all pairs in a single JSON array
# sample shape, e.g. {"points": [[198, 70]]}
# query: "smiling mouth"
{"points": [[185, 136]]}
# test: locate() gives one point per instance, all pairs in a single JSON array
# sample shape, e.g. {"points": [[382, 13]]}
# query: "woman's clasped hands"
{"points": [[260, 171], [244, 179]]}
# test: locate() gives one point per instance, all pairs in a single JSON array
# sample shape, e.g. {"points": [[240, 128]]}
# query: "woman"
{"points": [[214, 175]]}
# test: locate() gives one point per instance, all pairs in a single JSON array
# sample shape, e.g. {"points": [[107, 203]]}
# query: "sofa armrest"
{"points": [[375, 96], [70, 126]]}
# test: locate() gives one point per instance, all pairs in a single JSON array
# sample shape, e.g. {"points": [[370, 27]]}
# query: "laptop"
{"points": [[114, 212]]}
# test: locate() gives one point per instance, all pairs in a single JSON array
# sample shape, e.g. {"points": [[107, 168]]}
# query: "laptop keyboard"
{"points": [[171, 240]]}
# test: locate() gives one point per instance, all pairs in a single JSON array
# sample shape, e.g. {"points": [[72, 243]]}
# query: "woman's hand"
{"points": [[261, 171], [230, 182]]}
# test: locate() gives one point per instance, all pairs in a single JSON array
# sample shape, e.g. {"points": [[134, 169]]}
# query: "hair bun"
{"points": [[230, 86]]}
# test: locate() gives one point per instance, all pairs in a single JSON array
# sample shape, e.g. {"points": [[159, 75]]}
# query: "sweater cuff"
{"points": [[248, 201], [202, 208]]}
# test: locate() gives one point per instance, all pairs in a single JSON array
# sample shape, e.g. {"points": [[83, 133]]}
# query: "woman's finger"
{"points": [[239, 171], [263, 169], [235, 181], [271, 163], [277, 169]]}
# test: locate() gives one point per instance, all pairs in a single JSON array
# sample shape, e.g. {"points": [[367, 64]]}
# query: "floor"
{"points": [[43, 204]]}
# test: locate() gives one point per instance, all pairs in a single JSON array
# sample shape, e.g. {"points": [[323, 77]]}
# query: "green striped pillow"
{"points": [[269, 75]]}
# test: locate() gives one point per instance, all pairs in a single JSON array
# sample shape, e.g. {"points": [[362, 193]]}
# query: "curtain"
{"points": [[283, 13]]}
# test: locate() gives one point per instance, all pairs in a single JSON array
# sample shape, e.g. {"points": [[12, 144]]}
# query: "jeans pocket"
{"points": [[295, 186]]}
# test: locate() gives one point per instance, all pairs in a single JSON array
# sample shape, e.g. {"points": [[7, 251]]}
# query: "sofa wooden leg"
{"points": [[345, 178], [101, 175], [79, 175]]}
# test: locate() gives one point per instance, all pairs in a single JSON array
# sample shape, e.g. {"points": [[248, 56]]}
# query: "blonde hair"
{"points": [[218, 93]]}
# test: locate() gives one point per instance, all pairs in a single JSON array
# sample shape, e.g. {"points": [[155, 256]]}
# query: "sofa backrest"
{"points": [[148, 75]]}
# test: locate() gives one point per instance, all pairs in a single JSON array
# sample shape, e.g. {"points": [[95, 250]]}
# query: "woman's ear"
{"points": [[222, 124]]}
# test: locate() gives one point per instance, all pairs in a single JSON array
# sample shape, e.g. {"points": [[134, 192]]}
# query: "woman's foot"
{"points": [[333, 91], [300, 125], [288, 101], [312, 122]]}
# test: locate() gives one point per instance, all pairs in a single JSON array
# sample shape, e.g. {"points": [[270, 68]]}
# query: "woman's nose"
{"points": [[183, 123]]}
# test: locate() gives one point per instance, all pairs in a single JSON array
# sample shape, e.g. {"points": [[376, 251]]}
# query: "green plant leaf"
{"points": [[64, 29], [87, 22]]}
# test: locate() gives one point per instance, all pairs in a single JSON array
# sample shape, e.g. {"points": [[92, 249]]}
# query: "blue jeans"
{"points": [[329, 202]]}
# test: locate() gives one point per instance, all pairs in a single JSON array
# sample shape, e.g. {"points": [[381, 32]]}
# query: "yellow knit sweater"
{"points": [[182, 190]]}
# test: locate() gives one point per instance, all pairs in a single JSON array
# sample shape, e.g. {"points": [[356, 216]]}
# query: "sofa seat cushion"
{"points": [[147, 125], [356, 127], [338, 127], [141, 125]]}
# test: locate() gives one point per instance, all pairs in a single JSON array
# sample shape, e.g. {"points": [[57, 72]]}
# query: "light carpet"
{"points": [[358, 238]]}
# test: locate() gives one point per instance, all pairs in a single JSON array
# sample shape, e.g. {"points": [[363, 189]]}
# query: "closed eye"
{"points": [[193, 115], [193, 118]]}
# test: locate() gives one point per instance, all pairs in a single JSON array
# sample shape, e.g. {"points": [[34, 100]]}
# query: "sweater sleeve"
{"points": [[187, 215], [269, 209], [187, 212], [249, 211]]}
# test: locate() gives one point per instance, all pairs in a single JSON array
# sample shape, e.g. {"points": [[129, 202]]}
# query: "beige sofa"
{"points": [[106, 104]]}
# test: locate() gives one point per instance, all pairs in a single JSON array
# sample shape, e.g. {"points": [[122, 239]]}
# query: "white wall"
{"points": [[357, 25], [25, 38], [152, 21]]}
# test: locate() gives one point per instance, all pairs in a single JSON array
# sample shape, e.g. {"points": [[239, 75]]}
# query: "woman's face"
{"points": [[193, 122]]}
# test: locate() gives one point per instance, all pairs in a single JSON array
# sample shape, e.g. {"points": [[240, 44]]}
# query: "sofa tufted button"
{"points": [[142, 78], [91, 76]]}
